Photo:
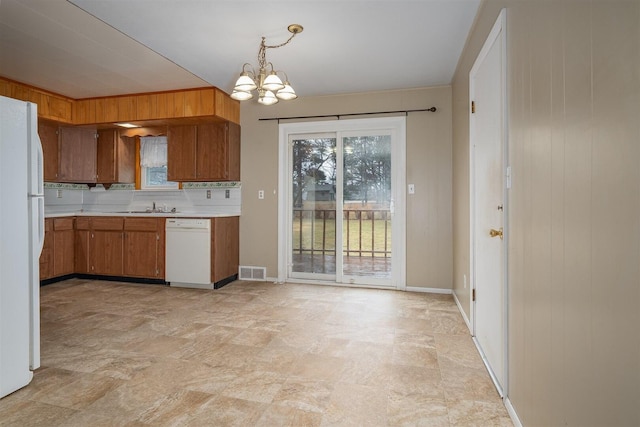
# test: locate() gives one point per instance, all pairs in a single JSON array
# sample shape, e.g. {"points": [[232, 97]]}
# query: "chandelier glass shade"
{"points": [[269, 86]]}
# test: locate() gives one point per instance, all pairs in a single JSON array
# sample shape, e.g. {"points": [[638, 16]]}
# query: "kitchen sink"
{"points": [[147, 212]]}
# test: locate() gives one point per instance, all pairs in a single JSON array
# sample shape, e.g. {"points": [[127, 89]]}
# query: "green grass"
{"points": [[377, 230]]}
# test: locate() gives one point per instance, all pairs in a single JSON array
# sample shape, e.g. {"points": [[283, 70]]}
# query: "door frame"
{"points": [[497, 34], [397, 125]]}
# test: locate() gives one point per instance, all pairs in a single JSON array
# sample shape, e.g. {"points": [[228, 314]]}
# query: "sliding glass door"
{"points": [[313, 206], [366, 207], [342, 190]]}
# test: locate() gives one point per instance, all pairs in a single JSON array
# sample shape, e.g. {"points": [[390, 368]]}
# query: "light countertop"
{"points": [[143, 214]]}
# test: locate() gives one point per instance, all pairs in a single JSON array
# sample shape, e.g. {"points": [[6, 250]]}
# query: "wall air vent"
{"points": [[252, 273]]}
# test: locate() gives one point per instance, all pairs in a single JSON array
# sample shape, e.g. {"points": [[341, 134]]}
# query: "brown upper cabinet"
{"points": [[48, 132], [77, 155], [77, 149], [116, 158], [69, 153], [204, 152], [181, 153]]}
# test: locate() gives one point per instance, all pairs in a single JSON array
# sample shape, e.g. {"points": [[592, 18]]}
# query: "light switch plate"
{"points": [[411, 188]]}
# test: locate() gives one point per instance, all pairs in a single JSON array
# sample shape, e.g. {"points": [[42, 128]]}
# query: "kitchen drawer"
{"points": [[83, 223], [143, 224], [60, 224], [107, 223]]}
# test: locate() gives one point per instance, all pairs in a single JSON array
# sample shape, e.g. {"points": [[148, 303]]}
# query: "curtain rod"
{"points": [[406, 112]]}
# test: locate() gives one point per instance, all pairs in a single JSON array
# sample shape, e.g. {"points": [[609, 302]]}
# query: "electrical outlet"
{"points": [[260, 194], [208, 194], [59, 193], [227, 194]]}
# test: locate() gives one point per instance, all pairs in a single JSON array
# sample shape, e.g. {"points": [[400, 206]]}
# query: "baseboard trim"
{"points": [[51, 280], [225, 281], [512, 412], [141, 280], [492, 374], [101, 277], [217, 285], [462, 312], [429, 290], [407, 289]]}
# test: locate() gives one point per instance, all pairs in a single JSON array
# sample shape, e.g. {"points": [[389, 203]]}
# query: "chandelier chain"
{"points": [[281, 44], [262, 53]]}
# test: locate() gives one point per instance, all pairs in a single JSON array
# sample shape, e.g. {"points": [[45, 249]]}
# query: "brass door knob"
{"points": [[495, 233]]}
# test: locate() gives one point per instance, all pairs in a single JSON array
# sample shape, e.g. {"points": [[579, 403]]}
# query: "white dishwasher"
{"points": [[188, 252]]}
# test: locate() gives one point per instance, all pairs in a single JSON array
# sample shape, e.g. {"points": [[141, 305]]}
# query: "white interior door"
{"points": [[487, 139]]}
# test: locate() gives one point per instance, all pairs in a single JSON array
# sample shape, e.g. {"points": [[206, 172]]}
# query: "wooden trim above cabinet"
{"points": [[51, 106], [198, 105], [186, 106]]}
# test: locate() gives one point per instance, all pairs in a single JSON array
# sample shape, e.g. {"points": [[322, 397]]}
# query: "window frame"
{"points": [[144, 185]]}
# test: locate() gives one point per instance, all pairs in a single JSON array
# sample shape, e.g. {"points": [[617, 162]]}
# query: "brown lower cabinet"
{"points": [[63, 246], [144, 247], [58, 251], [106, 252], [82, 244], [126, 247], [224, 247], [99, 246], [46, 256]]}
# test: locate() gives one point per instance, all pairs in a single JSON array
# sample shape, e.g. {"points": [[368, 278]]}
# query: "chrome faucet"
{"points": [[154, 207]]}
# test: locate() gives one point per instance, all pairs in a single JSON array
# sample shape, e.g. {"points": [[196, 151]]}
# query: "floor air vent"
{"points": [[252, 273]]}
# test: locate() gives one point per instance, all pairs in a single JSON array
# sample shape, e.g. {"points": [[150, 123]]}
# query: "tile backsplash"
{"points": [[209, 198]]}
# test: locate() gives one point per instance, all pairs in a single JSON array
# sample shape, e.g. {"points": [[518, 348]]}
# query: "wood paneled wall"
{"points": [[50, 105], [574, 207]]}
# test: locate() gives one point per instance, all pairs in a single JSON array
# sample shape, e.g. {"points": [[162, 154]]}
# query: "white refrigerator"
{"points": [[21, 240]]}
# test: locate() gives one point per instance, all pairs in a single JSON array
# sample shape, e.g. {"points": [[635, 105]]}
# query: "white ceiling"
{"points": [[153, 45]]}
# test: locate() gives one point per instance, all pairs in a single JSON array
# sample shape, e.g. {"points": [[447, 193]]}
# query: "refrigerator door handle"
{"points": [[40, 166], [40, 224], [36, 155]]}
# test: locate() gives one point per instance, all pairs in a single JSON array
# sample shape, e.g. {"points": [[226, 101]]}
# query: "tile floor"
{"points": [[116, 354]]}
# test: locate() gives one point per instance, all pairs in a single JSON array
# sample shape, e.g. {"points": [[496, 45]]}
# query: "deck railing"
{"points": [[367, 232]]}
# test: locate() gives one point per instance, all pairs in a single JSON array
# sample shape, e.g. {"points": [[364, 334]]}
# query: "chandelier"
{"points": [[269, 86]]}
